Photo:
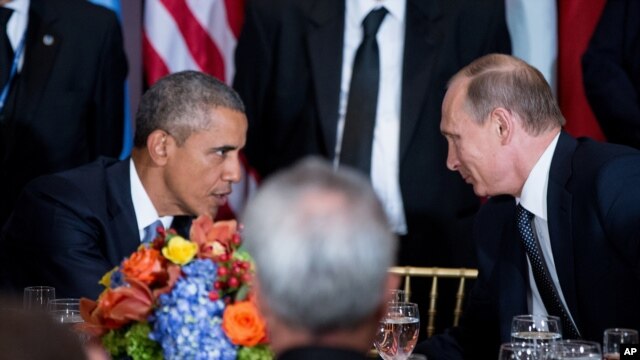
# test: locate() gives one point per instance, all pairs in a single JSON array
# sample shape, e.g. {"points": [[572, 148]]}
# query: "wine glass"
{"points": [[397, 334], [37, 297], [575, 350], [519, 351], [613, 338]]}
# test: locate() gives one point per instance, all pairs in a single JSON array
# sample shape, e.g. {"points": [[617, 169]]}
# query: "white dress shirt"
{"points": [[385, 168], [534, 199], [17, 25], [146, 213]]}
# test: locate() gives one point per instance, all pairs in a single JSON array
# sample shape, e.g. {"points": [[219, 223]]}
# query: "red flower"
{"points": [[117, 307], [215, 240], [146, 265]]}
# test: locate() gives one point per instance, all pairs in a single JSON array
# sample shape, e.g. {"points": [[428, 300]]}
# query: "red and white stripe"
{"points": [[196, 35]]}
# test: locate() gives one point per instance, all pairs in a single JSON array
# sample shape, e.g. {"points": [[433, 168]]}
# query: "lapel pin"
{"points": [[48, 40]]}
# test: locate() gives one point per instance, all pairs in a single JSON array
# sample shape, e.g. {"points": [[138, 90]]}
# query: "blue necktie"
{"points": [[547, 289], [151, 231], [360, 119]]}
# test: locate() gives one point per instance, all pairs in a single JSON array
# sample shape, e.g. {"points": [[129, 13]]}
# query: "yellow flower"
{"points": [[179, 250], [106, 278]]}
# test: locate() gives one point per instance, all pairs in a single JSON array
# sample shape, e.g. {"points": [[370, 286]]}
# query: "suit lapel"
{"points": [[325, 42], [560, 220], [422, 36], [514, 277], [122, 216], [41, 48]]}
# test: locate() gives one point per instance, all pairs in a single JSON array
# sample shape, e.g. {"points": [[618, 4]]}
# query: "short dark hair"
{"points": [[498, 80], [178, 104]]}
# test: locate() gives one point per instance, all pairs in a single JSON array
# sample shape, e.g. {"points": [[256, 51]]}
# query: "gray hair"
{"points": [[322, 246], [498, 80], [179, 104]]}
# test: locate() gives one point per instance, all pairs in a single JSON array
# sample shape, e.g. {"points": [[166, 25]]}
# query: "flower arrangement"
{"points": [[181, 299]]}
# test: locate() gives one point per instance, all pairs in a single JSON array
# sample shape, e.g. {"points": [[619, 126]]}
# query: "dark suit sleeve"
{"points": [[611, 72], [109, 91], [619, 203], [253, 60], [50, 240]]}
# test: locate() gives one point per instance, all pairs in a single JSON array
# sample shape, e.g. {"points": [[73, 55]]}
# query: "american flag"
{"points": [[196, 35]]}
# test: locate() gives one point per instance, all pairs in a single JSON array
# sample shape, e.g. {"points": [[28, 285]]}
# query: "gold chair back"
{"points": [[435, 273]]}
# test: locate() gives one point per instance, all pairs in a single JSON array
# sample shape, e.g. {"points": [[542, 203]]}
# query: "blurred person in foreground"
{"points": [[322, 248], [72, 227], [579, 200]]}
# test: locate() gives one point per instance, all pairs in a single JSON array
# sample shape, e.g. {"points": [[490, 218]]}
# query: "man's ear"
{"points": [[157, 144], [502, 121]]}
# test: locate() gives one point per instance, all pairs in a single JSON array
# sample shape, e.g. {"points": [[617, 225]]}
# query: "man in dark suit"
{"points": [[70, 228], [611, 72], [324, 296], [64, 105], [560, 233], [294, 63]]}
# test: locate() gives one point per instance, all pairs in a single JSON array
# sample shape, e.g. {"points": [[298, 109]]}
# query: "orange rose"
{"points": [[213, 239], [146, 265], [117, 307], [243, 324]]}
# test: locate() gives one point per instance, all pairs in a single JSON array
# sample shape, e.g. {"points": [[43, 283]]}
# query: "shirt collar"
{"points": [[359, 9], [534, 191], [146, 213]]}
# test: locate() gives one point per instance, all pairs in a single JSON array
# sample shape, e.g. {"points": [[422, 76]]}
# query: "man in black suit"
{"points": [[560, 233], [326, 291], [611, 72], [70, 228], [294, 63], [64, 105]]}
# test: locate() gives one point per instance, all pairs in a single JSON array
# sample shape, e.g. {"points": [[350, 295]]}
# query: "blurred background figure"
{"points": [[611, 68], [322, 275], [62, 73]]}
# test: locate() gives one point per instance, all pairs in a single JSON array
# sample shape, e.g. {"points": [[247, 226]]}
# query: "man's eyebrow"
{"points": [[224, 148]]}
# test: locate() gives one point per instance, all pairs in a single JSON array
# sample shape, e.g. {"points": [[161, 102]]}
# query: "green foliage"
{"points": [[132, 341], [259, 352]]}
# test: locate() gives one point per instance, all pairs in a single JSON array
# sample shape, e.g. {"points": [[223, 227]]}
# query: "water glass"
{"points": [[613, 338], [397, 333], [574, 350], [519, 351], [37, 297], [536, 329], [65, 311]]}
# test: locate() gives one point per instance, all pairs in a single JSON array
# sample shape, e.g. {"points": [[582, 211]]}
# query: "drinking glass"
{"points": [[574, 350], [37, 297], [65, 311], [397, 334], [519, 351], [612, 340], [539, 330]]}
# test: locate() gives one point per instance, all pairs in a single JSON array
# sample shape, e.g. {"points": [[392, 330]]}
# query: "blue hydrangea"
{"points": [[187, 324]]}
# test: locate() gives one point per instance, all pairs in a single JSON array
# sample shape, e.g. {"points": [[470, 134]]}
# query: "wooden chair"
{"points": [[435, 273]]}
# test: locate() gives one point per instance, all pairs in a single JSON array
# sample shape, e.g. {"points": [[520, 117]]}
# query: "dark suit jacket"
{"points": [[288, 69], [593, 202], [69, 229], [611, 72], [66, 106], [321, 353]]}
